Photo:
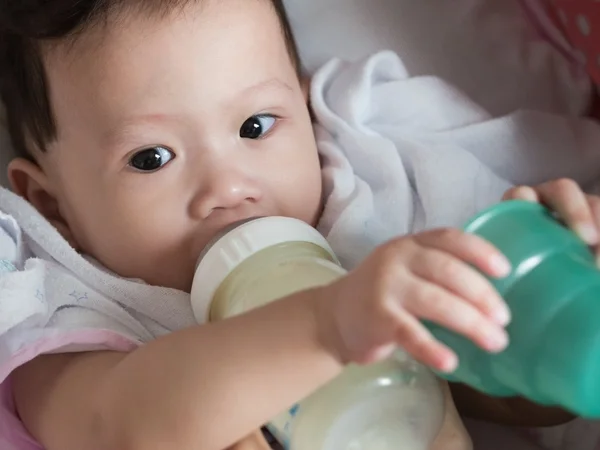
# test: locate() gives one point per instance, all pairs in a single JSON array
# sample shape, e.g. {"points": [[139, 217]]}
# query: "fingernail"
{"points": [[588, 233], [497, 341], [500, 265], [502, 315], [449, 364]]}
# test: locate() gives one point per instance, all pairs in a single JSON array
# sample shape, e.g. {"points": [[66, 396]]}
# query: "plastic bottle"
{"points": [[395, 404], [554, 294]]}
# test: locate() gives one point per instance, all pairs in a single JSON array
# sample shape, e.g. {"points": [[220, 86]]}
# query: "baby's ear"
{"points": [[28, 180]]}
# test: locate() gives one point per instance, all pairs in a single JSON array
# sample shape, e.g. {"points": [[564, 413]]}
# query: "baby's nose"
{"points": [[225, 190]]}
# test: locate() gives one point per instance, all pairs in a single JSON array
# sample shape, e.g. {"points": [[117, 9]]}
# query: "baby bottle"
{"points": [[396, 404], [554, 294]]}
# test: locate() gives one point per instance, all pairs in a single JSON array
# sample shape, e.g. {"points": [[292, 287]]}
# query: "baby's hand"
{"points": [[580, 211], [426, 276]]}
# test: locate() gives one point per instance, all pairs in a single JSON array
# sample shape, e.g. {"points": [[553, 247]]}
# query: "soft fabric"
{"points": [[404, 154]]}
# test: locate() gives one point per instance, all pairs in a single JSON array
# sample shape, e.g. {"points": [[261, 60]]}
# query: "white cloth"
{"points": [[404, 154]]}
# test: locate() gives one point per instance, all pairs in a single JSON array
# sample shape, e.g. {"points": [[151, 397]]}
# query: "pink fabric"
{"points": [[13, 435], [572, 26]]}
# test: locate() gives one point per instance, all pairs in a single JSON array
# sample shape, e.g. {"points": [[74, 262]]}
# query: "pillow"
{"points": [[487, 48]]}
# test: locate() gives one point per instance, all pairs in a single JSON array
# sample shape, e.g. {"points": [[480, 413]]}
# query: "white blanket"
{"points": [[403, 154]]}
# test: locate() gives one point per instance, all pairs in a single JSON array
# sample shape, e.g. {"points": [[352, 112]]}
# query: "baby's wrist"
{"points": [[328, 336]]}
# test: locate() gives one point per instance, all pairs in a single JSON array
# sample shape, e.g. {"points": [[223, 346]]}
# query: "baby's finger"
{"points": [[468, 248], [447, 272], [416, 340], [430, 302], [521, 193], [571, 203], [594, 203]]}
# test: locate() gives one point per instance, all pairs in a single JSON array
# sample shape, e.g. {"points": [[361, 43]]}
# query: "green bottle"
{"points": [[554, 295]]}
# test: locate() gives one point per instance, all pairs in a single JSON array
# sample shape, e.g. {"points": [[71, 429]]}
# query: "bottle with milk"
{"points": [[396, 404]]}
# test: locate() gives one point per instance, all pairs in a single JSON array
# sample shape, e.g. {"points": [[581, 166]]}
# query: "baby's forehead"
{"points": [[106, 32], [116, 20], [177, 66]]}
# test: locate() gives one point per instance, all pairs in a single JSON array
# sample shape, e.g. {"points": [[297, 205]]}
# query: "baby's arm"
{"points": [[203, 388]]}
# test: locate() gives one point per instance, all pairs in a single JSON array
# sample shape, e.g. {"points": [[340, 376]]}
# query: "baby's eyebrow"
{"points": [[271, 83], [124, 131]]}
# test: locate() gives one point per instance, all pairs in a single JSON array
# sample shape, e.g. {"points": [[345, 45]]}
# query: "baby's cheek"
{"points": [[308, 202]]}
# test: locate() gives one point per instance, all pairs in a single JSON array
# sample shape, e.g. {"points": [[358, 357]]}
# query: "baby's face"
{"points": [[172, 128]]}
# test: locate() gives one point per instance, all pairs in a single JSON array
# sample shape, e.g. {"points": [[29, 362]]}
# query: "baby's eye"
{"points": [[257, 126], [151, 159]]}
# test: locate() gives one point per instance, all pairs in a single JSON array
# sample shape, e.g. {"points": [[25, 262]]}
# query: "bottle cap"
{"points": [[236, 244]]}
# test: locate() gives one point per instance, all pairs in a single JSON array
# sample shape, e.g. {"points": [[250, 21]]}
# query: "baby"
{"points": [[145, 127]]}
